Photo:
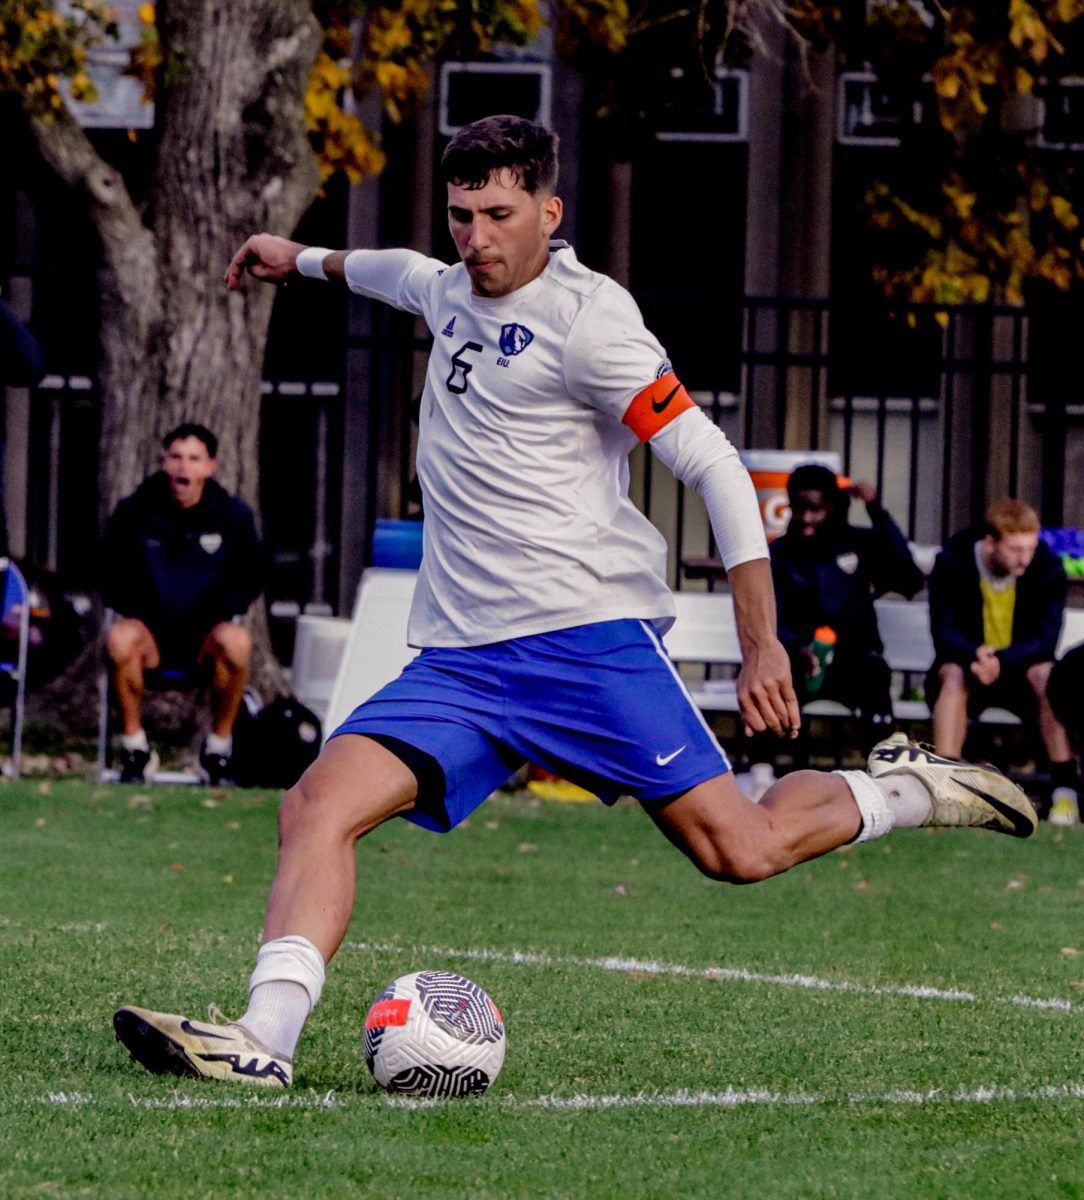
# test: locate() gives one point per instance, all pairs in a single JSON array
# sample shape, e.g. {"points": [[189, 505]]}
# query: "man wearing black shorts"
{"points": [[997, 600], [181, 560]]}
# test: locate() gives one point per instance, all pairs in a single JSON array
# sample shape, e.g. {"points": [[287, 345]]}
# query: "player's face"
{"points": [[188, 466], [808, 512], [501, 232], [1011, 554]]}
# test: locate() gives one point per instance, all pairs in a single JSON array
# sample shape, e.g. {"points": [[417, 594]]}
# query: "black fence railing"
{"points": [[941, 409]]}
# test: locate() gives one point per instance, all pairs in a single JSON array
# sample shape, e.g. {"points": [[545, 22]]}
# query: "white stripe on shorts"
{"points": [[660, 650]]}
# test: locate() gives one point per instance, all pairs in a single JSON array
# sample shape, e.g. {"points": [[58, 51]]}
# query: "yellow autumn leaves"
{"points": [[39, 46]]}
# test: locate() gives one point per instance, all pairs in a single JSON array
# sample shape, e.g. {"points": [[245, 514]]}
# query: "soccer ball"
{"points": [[434, 1033]]}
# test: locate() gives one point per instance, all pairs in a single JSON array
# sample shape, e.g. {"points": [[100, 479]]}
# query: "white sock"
{"points": [[276, 1015], [908, 799], [898, 802], [283, 990], [135, 741], [872, 806], [214, 744]]}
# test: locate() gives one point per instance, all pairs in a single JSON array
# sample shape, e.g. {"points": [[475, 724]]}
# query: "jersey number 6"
{"points": [[457, 380]]}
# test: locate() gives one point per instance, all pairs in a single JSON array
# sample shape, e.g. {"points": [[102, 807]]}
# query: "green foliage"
{"points": [[112, 895]]}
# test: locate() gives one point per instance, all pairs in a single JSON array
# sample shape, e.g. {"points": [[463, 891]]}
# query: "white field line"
{"points": [[736, 974], [730, 1098]]}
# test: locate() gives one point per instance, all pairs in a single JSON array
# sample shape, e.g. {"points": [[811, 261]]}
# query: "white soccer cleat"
{"points": [[960, 793], [167, 1044]]}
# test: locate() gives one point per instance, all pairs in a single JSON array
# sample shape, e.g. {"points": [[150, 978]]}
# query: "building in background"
{"points": [[734, 224]]}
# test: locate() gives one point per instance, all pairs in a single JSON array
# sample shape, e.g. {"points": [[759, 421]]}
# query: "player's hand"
{"points": [[266, 257], [766, 692], [865, 492], [987, 669]]}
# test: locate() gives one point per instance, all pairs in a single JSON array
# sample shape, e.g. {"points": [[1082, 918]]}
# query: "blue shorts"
{"points": [[600, 705]]}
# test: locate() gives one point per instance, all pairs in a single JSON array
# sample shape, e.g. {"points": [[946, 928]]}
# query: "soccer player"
{"points": [[539, 603]]}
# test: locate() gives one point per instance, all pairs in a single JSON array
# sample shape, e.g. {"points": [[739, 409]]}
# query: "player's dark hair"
{"points": [[191, 429], [811, 477], [524, 148]]}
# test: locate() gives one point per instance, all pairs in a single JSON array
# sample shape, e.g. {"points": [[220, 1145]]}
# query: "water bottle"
{"points": [[823, 647]]}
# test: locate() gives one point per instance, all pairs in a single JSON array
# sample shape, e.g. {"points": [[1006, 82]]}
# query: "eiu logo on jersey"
{"points": [[515, 339], [664, 368], [447, 330]]}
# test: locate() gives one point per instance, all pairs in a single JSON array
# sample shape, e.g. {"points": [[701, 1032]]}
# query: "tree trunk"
{"points": [[233, 160]]}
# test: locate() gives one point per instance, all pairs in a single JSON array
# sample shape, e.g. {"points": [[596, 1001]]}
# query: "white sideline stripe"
{"points": [[737, 974], [682, 1098], [177, 1100], [737, 1099]]}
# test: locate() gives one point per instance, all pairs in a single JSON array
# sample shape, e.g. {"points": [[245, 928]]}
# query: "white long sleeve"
{"points": [[703, 458]]}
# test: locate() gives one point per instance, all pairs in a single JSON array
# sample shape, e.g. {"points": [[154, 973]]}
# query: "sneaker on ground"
{"points": [[137, 766], [1064, 808], [215, 767], [960, 793], [167, 1044]]}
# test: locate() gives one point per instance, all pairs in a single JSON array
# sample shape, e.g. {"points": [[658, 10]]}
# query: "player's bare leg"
{"points": [[228, 647], [808, 813], [950, 711], [1051, 730], [730, 838], [354, 786], [131, 651]]}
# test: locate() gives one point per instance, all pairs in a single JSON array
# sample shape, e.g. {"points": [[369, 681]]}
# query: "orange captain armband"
{"points": [[657, 405]]}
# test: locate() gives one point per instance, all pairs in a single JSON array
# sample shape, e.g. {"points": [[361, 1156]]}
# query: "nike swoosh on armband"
{"points": [[659, 406], [656, 405]]}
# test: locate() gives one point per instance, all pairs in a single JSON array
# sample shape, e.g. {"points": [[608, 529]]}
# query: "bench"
{"points": [[705, 635]]}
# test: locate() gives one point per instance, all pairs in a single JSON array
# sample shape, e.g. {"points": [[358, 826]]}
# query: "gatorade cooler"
{"points": [[770, 470]]}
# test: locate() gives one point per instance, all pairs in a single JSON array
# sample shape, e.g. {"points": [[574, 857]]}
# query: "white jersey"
{"points": [[522, 450]]}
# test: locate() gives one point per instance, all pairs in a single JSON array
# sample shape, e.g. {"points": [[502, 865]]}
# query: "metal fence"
{"points": [[942, 409]]}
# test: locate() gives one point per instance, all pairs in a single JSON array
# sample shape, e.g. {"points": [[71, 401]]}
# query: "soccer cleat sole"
{"points": [[152, 1048]]}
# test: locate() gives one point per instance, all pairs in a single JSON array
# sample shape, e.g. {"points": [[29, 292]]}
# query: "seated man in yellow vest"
{"points": [[997, 599]]}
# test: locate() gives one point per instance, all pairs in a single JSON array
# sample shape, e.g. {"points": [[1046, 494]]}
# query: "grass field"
{"points": [[900, 1019]]}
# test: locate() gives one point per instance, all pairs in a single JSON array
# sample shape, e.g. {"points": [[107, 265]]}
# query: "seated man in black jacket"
{"points": [[827, 574], [181, 560], [997, 600]]}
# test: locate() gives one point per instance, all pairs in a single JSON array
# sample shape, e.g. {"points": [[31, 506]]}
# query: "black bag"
{"points": [[273, 746]]}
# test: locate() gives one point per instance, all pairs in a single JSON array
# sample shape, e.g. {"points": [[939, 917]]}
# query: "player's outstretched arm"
{"points": [[765, 690], [274, 259]]}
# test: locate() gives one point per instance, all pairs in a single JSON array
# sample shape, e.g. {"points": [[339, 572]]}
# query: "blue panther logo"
{"points": [[515, 339]]}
